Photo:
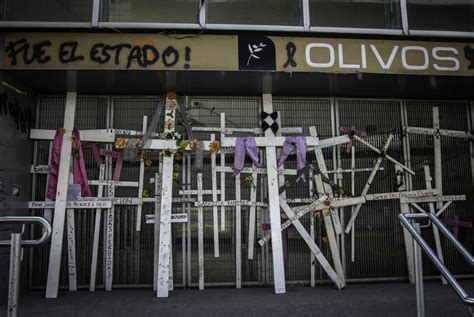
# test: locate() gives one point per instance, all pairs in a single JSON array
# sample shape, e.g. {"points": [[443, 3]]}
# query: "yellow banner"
{"points": [[235, 53]]}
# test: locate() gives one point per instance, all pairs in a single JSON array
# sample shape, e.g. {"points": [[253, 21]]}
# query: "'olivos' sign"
{"points": [[235, 53]]}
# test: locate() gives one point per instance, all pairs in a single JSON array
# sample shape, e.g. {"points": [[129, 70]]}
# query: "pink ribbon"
{"points": [[351, 132], [243, 146], [118, 163], [79, 168]]}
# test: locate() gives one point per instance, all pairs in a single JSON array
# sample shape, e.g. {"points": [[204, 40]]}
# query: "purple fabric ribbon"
{"points": [[292, 143], [79, 167], [118, 163], [351, 132], [242, 146]]}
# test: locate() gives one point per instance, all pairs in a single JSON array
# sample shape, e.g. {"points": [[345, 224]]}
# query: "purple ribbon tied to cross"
{"points": [[351, 132], [298, 144], [242, 146], [79, 167]]}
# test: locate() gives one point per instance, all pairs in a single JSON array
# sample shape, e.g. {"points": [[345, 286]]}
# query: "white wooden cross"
{"points": [[437, 133]]}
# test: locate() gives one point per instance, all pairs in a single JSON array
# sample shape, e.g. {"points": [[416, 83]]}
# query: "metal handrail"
{"points": [[405, 221], [28, 220]]}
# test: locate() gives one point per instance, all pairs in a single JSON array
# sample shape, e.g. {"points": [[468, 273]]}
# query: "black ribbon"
{"points": [[273, 115], [290, 54], [273, 126]]}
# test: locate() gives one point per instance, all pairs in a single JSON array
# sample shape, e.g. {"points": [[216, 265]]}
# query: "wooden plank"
{"points": [[48, 213], [330, 233], [238, 235], [165, 227], [52, 284], [95, 243], [200, 234], [256, 170], [366, 188], [222, 174], [230, 203], [215, 220], [247, 130], [443, 132], [405, 209], [311, 233], [437, 199], [252, 217], [335, 277], [274, 202], [117, 183], [156, 231], [403, 194], [278, 141], [195, 192], [353, 151], [86, 135], [39, 169], [83, 203], [175, 218], [300, 212], [141, 179], [109, 239], [71, 241]]}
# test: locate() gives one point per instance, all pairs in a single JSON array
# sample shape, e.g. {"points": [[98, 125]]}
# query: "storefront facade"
{"points": [[375, 65]]}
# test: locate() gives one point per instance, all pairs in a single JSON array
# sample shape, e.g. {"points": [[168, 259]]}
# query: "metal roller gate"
{"points": [[379, 248]]}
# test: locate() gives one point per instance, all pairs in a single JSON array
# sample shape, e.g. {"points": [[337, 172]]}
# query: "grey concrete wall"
{"points": [[16, 117]]}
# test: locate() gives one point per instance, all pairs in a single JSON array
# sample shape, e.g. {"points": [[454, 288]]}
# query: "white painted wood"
{"points": [[438, 163], [238, 235], [352, 208], [388, 157], [445, 206], [109, 239], [200, 234], [188, 211], [83, 203], [278, 141], [40, 169], [183, 227], [165, 227], [311, 232], [300, 212], [256, 170], [230, 203], [52, 284], [330, 232], [335, 277], [195, 192], [86, 135], [223, 174], [327, 188], [255, 131], [274, 202], [175, 218], [437, 199], [443, 132], [116, 183], [366, 188], [48, 213], [215, 220], [71, 241], [95, 243], [156, 231], [404, 194], [439, 250], [405, 208], [252, 217], [141, 179]]}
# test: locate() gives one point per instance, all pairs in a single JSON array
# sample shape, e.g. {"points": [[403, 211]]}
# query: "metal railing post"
{"points": [[14, 275], [420, 294]]}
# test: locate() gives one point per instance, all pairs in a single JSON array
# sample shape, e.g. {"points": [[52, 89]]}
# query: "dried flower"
{"points": [[120, 143], [146, 193], [171, 95], [249, 181], [148, 163], [168, 152], [194, 145], [137, 143], [178, 156], [324, 240], [168, 135], [62, 130], [169, 124], [73, 138], [214, 146]]}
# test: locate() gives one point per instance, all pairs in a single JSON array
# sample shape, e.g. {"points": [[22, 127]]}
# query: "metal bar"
{"points": [[405, 221], [148, 25], [215, 220], [306, 15], [31, 220], [41, 24], [442, 33], [420, 296], [95, 243], [95, 13], [14, 275], [404, 13], [141, 180]]}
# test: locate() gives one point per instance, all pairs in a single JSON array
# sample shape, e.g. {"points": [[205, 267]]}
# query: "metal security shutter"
{"points": [[456, 167], [379, 247]]}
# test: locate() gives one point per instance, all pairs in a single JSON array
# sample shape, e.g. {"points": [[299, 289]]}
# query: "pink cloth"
{"points": [[79, 168]]}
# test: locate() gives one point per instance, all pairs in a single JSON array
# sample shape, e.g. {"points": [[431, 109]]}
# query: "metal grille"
{"points": [[377, 224], [456, 167], [380, 252]]}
